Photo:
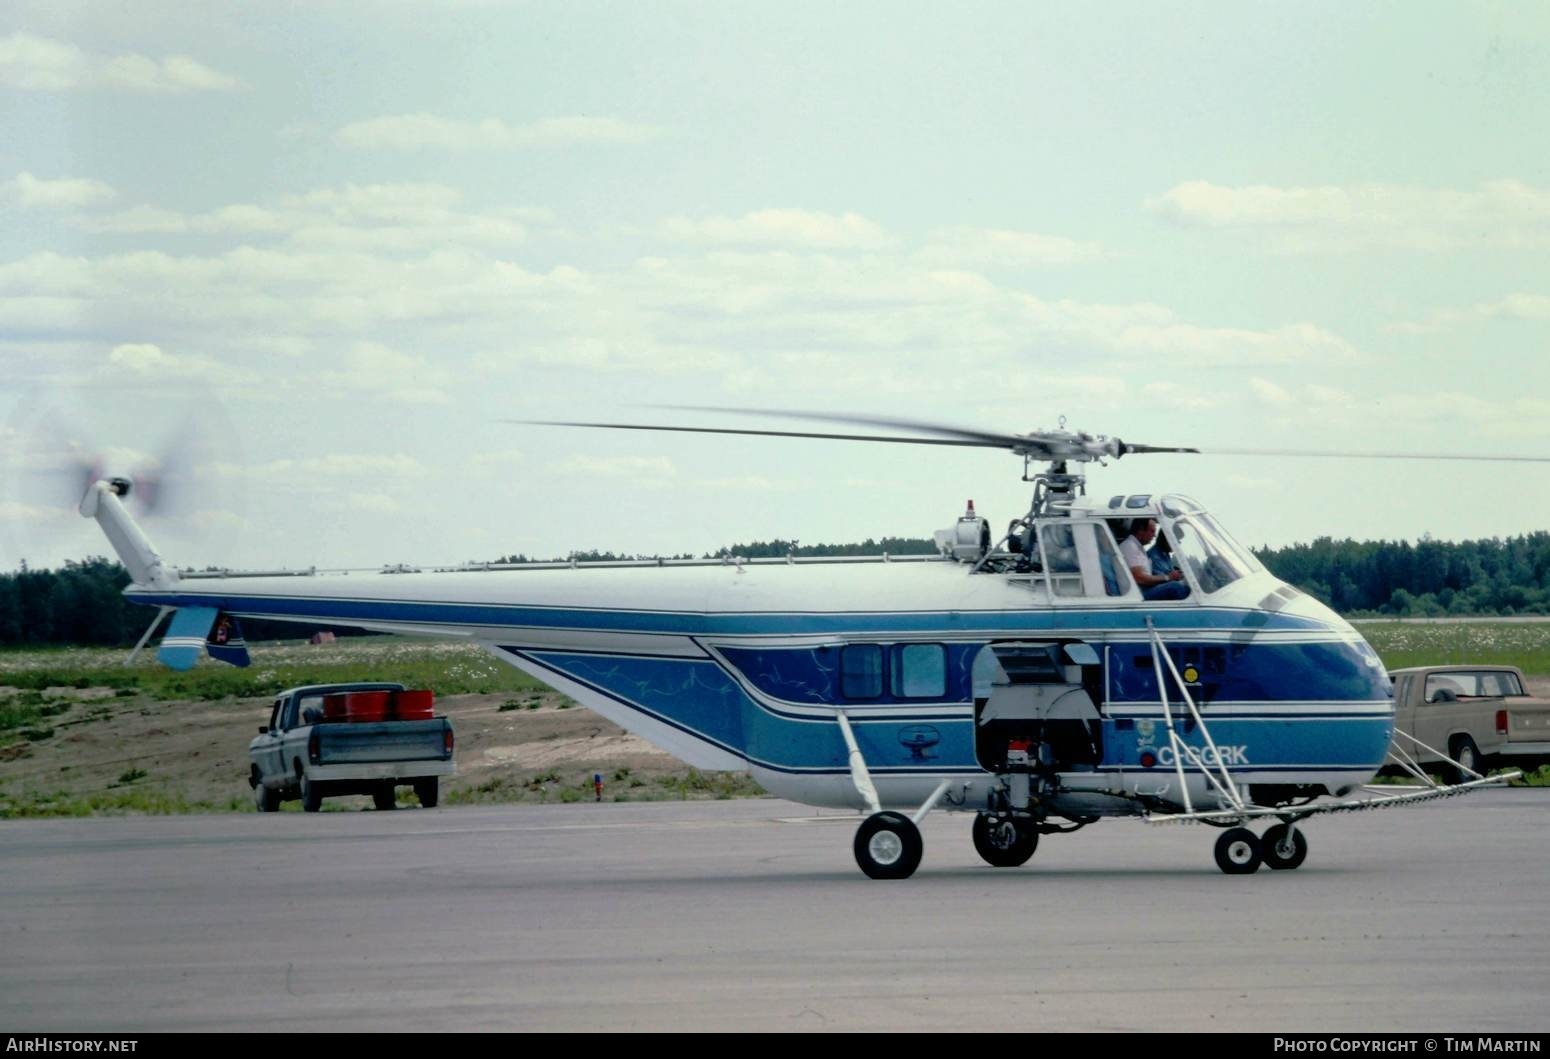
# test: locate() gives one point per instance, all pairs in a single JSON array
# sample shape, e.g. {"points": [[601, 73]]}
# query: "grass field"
{"points": [[1412, 643], [451, 667]]}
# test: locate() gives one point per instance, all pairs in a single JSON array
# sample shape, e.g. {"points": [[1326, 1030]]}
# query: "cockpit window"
{"points": [[1213, 559]]}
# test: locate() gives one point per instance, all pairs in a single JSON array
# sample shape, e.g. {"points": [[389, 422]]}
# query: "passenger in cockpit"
{"points": [[1161, 555], [1153, 586]]}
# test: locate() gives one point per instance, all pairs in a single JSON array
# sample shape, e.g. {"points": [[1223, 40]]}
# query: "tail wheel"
{"points": [[428, 791], [1284, 848], [888, 846], [1004, 842], [1238, 852], [385, 797]]}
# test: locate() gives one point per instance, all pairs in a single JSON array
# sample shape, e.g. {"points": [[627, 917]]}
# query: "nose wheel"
{"points": [[1285, 847], [1238, 851]]}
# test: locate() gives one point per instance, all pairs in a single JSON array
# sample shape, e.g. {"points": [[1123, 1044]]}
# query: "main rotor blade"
{"points": [[1331, 454], [945, 430], [1129, 448], [998, 444]]}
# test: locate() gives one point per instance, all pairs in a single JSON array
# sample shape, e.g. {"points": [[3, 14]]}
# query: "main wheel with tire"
{"points": [[1284, 848], [1464, 751], [428, 790], [888, 846], [311, 795], [1238, 851], [1004, 842], [385, 797]]}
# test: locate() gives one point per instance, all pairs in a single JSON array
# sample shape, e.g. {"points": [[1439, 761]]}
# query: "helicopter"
{"points": [[1036, 679]]}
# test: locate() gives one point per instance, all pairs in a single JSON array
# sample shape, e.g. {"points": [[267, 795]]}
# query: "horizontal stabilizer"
{"points": [[225, 642], [199, 629]]}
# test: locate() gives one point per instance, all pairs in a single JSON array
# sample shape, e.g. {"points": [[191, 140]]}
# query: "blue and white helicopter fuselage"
{"points": [[746, 665]]}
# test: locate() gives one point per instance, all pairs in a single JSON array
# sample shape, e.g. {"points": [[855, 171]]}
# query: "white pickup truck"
{"points": [[1480, 716], [328, 739]]}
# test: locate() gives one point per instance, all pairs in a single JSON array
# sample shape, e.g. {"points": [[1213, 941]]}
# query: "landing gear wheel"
{"points": [[1467, 754], [428, 791], [385, 797], [1003, 842], [268, 799], [888, 846], [311, 795], [1284, 852], [1238, 852]]}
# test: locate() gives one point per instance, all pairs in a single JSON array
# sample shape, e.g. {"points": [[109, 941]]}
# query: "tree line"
{"points": [[83, 603]]}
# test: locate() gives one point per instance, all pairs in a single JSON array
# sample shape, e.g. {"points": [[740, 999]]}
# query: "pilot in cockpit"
{"points": [[1143, 531]]}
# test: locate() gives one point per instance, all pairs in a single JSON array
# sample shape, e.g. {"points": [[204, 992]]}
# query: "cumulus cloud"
{"points": [[147, 360], [1513, 307], [998, 246], [390, 218], [334, 465], [41, 64], [425, 132], [34, 193], [1502, 213], [1270, 393], [779, 228], [634, 467]]}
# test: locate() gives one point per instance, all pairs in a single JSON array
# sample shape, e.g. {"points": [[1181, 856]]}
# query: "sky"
{"points": [[315, 258]]}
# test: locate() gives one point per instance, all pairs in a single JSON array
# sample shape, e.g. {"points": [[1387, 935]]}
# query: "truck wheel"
{"points": [[311, 795], [1281, 853], [428, 791], [888, 846], [268, 798], [385, 797], [1003, 843], [1464, 751]]}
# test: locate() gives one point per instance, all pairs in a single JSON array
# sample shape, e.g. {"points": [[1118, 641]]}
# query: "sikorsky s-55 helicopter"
{"points": [[1030, 678]]}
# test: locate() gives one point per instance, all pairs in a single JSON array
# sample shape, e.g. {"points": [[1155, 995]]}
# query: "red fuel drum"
{"points": [[334, 708], [414, 705], [367, 705]]}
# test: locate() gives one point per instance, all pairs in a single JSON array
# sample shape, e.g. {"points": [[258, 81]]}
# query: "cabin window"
{"points": [[1060, 559], [1081, 560], [861, 671], [919, 671]]}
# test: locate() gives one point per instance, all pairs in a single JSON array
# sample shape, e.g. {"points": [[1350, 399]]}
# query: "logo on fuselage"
{"points": [[917, 739]]}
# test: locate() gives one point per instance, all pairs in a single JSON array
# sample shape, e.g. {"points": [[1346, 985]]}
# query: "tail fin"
{"points": [[134, 548]]}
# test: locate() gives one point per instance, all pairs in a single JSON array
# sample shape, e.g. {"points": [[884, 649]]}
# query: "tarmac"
{"points": [[751, 915]]}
